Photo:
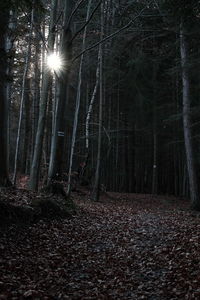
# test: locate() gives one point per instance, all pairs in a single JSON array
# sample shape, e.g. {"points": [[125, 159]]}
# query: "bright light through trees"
{"points": [[54, 62]]}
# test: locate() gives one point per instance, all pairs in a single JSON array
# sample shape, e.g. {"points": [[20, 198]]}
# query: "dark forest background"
{"points": [[123, 112]]}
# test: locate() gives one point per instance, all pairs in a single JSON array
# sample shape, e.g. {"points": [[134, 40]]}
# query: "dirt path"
{"points": [[136, 248]]}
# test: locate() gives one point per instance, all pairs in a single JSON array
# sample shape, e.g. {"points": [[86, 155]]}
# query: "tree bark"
{"points": [[4, 177], [89, 112], [155, 139], [26, 67], [35, 167], [27, 127], [78, 96], [96, 187], [37, 72], [194, 195], [58, 138]]}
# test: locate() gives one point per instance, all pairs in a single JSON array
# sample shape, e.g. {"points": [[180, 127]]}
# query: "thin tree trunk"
{"points": [[195, 199], [37, 73], [117, 128], [27, 128], [46, 80], [77, 104], [155, 146], [96, 187], [88, 116], [4, 177], [155, 135], [26, 67], [10, 52]]}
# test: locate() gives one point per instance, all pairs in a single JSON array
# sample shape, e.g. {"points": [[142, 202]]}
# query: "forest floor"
{"points": [[128, 247]]}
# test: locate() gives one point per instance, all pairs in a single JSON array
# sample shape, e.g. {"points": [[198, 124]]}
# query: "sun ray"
{"points": [[54, 62]]}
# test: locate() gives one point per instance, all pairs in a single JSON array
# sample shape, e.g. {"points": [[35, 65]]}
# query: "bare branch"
{"points": [[36, 28], [73, 12], [86, 23], [112, 34]]}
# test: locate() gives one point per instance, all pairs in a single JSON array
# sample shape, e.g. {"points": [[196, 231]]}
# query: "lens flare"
{"points": [[54, 62]]}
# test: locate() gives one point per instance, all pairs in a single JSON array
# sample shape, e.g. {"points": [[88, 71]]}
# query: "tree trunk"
{"points": [[10, 62], [27, 127], [58, 139], [89, 112], [35, 167], [195, 199], [96, 187], [26, 67], [77, 104], [4, 178], [37, 73], [155, 146]]}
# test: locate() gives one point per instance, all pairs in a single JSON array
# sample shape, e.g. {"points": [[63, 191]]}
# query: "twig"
{"points": [[86, 23], [111, 35]]}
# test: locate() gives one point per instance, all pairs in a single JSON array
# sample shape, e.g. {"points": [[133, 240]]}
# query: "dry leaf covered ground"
{"points": [[129, 247]]}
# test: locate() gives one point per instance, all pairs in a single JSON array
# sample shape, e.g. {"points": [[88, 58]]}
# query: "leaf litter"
{"points": [[127, 246]]}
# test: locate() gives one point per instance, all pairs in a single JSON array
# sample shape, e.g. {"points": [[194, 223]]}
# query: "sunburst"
{"points": [[54, 62]]}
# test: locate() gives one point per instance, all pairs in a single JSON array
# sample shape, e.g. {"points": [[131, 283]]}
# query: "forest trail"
{"points": [[134, 247]]}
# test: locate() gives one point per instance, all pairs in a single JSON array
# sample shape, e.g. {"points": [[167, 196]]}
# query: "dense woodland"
{"points": [[99, 149], [120, 110]]}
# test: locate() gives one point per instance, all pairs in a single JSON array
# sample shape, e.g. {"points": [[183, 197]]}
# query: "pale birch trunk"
{"points": [[88, 116], [78, 96], [96, 187]]}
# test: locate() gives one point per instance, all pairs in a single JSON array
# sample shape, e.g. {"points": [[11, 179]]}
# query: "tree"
{"points": [[4, 177], [78, 96], [96, 187], [35, 167], [144, 95], [23, 94], [186, 16], [89, 112], [194, 193], [57, 142]]}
